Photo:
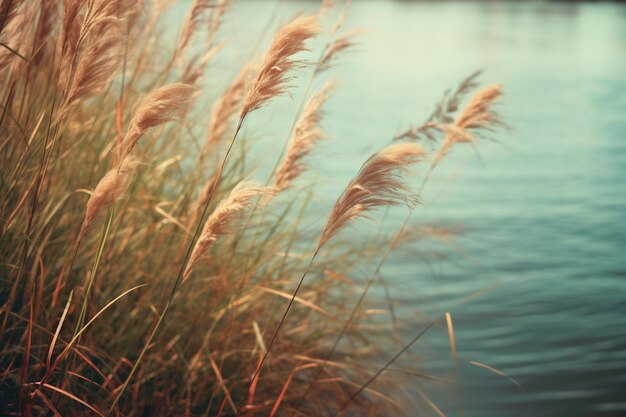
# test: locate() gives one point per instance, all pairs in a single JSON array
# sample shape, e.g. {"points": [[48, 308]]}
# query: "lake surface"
{"points": [[546, 206]]}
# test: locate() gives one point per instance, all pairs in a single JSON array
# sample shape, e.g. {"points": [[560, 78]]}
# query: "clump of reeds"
{"points": [[97, 323]]}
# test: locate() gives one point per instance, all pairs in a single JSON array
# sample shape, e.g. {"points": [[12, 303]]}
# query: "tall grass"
{"points": [[141, 274]]}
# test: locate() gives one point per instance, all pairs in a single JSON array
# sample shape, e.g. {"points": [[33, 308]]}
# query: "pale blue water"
{"points": [[547, 207]]}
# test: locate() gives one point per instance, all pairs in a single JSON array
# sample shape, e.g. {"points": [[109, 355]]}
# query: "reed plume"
{"points": [[111, 188], [477, 115], [204, 196], [161, 106], [307, 134], [8, 11], [467, 85], [70, 27], [272, 78], [195, 68], [377, 184], [103, 15], [95, 69], [198, 8], [219, 221], [13, 18], [224, 109], [443, 112], [219, 10], [48, 15], [95, 47], [342, 43]]}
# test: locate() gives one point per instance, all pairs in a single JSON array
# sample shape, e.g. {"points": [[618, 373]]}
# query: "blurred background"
{"points": [[536, 283]]}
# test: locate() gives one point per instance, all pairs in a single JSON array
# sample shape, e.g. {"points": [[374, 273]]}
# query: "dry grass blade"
{"points": [[430, 403], [272, 78], [58, 330], [219, 221], [89, 323], [71, 396], [220, 381], [376, 185], [307, 134], [499, 373], [48, 403], [283, 391], [298, 300], [452, 340], [465, 87]]}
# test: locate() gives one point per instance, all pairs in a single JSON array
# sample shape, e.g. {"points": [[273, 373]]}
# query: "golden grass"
{"points": [[99, 113]]}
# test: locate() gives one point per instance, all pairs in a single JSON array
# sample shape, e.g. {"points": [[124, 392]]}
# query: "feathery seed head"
{"points": [[377, 184], [111, 188], [225, 108], [272, 78], [342, 43], [477, 115], [161, 106], [220, 220], [307, 134]]}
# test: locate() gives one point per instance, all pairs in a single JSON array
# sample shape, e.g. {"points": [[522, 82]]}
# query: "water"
{"points": [[546, 208]]}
